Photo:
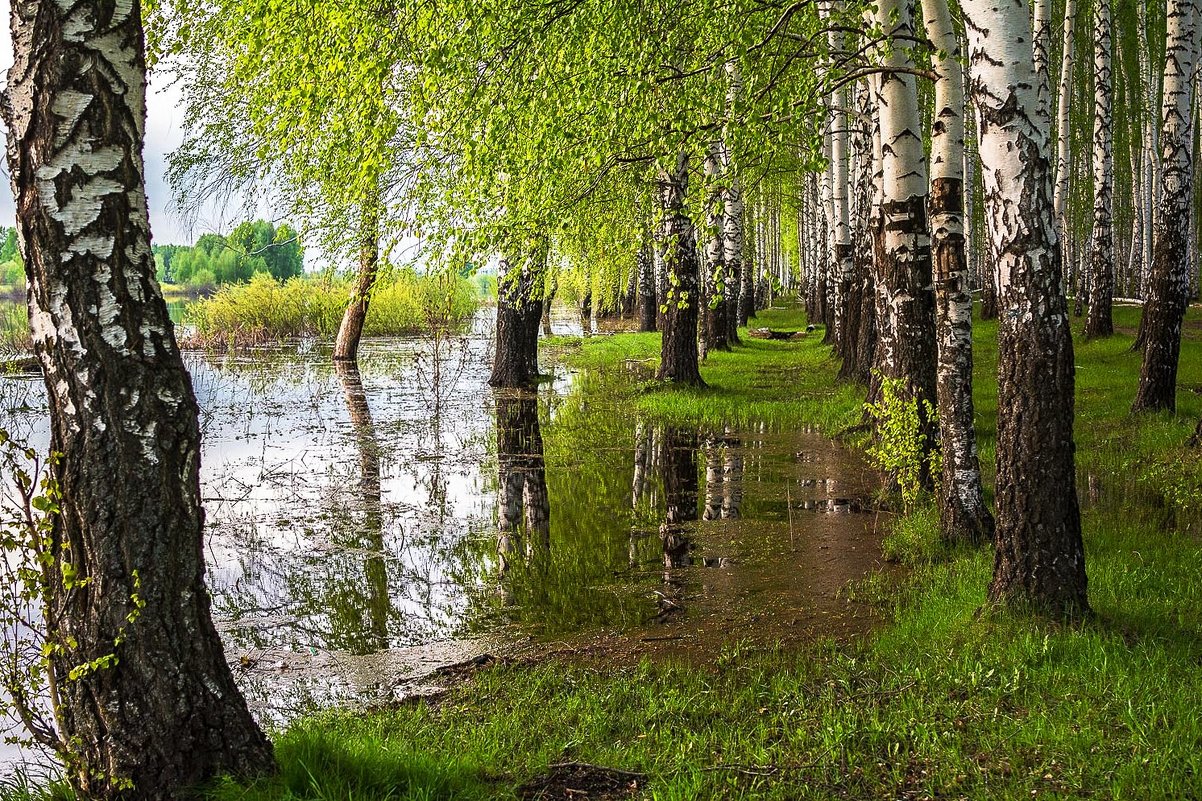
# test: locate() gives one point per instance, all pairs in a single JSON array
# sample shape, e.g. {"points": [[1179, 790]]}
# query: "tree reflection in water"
{"points": [[375, 569], [523, 505]]}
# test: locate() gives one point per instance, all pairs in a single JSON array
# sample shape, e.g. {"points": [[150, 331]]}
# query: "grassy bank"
{"points": [[948, 700], [264, 310]]}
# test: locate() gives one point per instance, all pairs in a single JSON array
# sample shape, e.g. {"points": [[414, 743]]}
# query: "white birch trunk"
{"points": [[1063, 132], [1098, 323], [910, 351], [1038, 556], [963, 515]]}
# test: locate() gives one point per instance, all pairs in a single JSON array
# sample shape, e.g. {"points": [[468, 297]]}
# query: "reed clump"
{"points": [[264, 311]]}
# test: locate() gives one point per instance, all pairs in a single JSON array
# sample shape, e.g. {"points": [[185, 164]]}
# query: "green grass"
{"points": [[264, 310], [778, 382], [948, 700]]}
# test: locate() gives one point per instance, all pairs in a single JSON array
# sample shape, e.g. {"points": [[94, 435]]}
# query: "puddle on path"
{"points": [[366, 527]]}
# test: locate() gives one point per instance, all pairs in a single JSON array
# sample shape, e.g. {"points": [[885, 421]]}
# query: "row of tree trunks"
{"points": [[166, 714], [648, 308], [856, 340], [1164, 311]]}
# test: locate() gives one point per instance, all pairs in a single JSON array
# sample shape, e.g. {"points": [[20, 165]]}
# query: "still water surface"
{"points": [[364, 527]]}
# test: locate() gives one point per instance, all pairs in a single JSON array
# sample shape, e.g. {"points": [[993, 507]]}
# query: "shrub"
{"points": [[898, 449], [265, 310]]}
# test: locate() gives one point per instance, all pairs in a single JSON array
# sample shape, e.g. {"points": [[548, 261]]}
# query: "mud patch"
{"points": [[577, 780]]}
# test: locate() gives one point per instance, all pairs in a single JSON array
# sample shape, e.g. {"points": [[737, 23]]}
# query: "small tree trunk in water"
{"points": [[1099, 322], [963, 516], [586, 312], [523, 503], [549, 299], [379, 604], [1164, 310], [166, 715], [1039, 561], [532, 306], [679, 476], [346, 345], [511, 358], [678, 352]]}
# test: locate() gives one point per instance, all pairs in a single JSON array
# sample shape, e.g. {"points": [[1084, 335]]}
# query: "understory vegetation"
{"points": [[265, 310], [950, 699]]}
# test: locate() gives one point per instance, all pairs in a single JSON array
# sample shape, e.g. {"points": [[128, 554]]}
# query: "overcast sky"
{"points": [[164, 119]]}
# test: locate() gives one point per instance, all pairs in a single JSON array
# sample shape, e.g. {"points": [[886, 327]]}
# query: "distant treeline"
{"points": [[252, 248]]}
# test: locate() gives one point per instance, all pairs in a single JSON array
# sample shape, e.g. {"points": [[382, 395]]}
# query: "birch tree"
{"points": [[1099, 322], [1164, 310], [1039, 560], [908, 351], [350, 330], [144, 701], [677, 244], [732, 213], [1063, 136], [963, 515]]}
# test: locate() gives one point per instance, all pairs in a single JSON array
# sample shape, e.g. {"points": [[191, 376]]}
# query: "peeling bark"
{"points": [[167, 715], [963, 516], [1039, 561]]}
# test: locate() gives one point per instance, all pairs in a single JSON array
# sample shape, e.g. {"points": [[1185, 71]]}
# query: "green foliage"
{"points": [[898, 448], [266, 310], [252, 248]]}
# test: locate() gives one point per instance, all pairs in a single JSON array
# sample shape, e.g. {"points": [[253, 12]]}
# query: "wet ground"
{"points": [[367, 527]]}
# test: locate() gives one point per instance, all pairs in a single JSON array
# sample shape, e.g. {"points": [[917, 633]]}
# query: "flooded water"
{"points": [[366, 526]]}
